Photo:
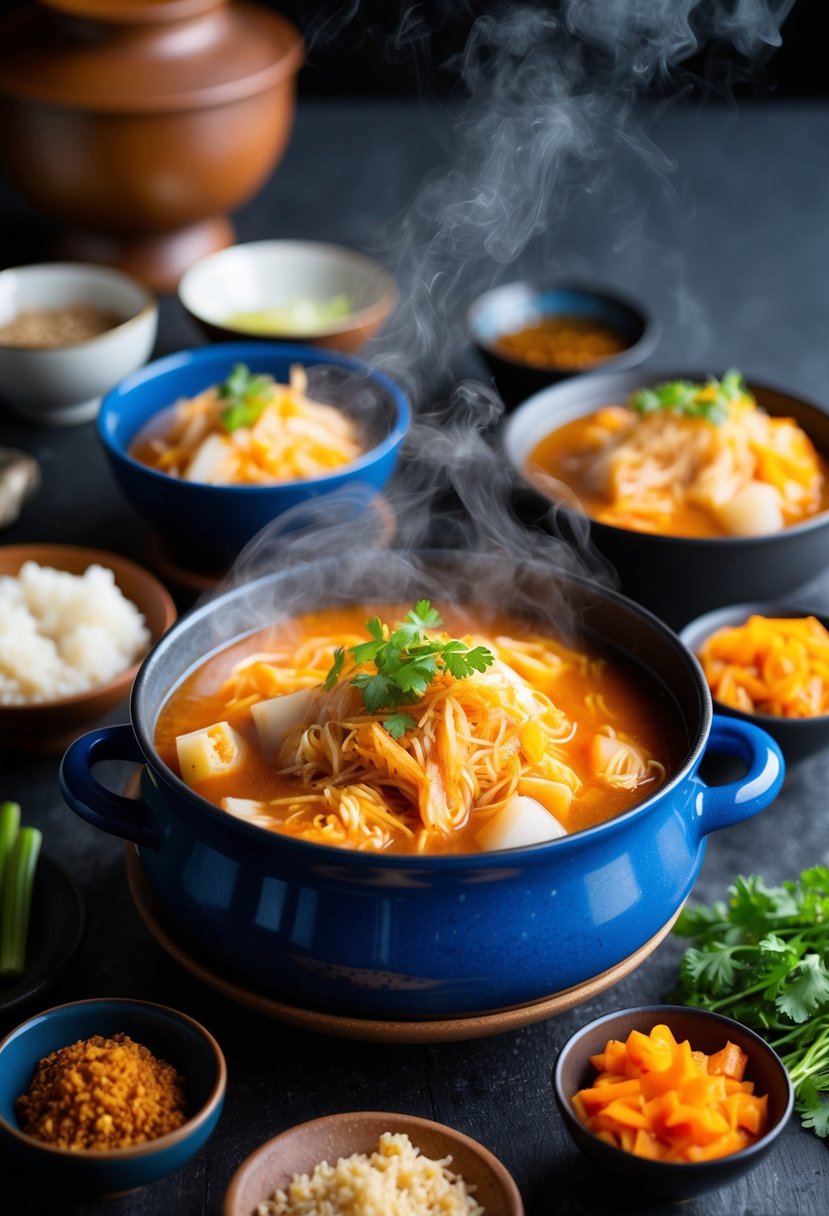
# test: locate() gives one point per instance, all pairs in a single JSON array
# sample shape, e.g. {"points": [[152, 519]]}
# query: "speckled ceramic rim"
{"points": [[636, 352], [152, 1146], [308, 356], [377, 1030], [664, 1012], [697, 632], [149, 306], [397, 1121], [117, 564], [383, 306]]}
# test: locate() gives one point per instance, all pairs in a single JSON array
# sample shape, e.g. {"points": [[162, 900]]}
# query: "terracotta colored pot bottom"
{"points": [[157, 259]]}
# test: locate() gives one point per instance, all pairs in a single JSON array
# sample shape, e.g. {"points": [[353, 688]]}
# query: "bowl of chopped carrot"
{"points": [[768, 663], [210, 446], [676, 1100]]}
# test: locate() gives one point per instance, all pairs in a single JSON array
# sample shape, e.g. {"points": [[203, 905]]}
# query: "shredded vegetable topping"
{"points": [[770, 665], [688, 459], [251, 430], [473, 737]]}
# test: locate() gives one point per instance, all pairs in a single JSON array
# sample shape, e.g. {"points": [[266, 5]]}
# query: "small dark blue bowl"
{"points": [[509, 308], [706, 1032], [170, 1036], [798, 737], [207, 524]]}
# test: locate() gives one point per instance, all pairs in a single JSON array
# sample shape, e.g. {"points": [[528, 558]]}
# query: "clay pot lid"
{"points": [[143, 56]]}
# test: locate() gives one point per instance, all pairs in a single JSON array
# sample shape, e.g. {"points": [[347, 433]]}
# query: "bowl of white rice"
{"points": [[75, 625], [364, 1162]]}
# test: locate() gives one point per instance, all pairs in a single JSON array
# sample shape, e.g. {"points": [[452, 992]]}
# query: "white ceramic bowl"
{"points": [[272, 274], [63, 385]]}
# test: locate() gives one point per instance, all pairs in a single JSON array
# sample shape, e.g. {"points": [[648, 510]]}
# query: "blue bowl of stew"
{"points": [[407, 936], [171, 1036], [206, 525]]}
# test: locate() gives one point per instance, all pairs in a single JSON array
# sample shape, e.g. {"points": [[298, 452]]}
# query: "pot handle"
{"points": [[718, 806], [129, 818]]}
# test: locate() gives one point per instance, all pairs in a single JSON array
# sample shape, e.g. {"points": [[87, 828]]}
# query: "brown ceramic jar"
{"points": [[141, 123]]}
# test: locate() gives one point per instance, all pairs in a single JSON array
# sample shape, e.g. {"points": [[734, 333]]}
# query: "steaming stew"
{"points": [[685, 459], [563, 341], [249, 430], [536, 741]]}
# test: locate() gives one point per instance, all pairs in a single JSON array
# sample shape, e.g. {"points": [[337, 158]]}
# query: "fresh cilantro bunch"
{"points": [[710, 401], [246, 395], [762, 958], [405, 663]]}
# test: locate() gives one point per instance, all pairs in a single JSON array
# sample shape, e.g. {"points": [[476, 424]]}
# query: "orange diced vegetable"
{"points": [[731, 1062], [646, 1145], [731, 1142], [646, 1054], [770, 665], [659, 1099], [601, 1095], [738, 1087]]}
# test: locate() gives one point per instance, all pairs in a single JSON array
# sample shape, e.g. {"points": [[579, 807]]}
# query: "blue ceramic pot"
{"points": [[423, 936], [170, 1036], [210, 524]]}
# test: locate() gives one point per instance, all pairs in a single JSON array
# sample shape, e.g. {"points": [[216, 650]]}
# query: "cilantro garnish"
{"points": [[762, 959], [246, 396], [709, 401], [406, 660]]}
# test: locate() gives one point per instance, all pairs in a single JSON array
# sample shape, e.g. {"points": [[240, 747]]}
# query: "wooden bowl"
{"points": [[51, 725], [299, 1149], [175, 113]]}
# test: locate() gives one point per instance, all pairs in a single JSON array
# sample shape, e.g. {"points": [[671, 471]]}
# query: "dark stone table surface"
{"points": [[719, 219]]}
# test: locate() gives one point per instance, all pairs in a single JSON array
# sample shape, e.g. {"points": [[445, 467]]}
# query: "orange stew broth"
{"points": [[560, 455], [637, 708]]}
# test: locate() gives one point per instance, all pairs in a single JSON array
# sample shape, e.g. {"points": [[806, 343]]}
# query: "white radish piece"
{"points": [[278, 715], [753, 511], [208, 461], [243, 807], [211, 751], [522, 821]]}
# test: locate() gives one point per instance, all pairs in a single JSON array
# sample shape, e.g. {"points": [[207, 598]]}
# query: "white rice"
{"points": [[62, 634], [394, 1181]]}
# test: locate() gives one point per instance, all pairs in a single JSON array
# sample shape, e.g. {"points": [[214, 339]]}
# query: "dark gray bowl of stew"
{"points": [[677, 577]]}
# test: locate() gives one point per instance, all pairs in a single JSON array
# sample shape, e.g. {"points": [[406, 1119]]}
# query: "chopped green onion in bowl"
{"points": [[301, 316]]}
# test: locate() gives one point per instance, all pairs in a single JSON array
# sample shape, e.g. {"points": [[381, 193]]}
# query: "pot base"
{"points": [[157, 259], [378, 1030]]}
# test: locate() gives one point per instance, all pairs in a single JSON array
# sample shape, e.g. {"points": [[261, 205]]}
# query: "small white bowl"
{"points": [[63, 385], [272, 274]]}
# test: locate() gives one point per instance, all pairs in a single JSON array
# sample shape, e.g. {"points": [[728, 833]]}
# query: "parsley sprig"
{"points": [[710, 401], [246, 395], [406, 660], [762, 958]]}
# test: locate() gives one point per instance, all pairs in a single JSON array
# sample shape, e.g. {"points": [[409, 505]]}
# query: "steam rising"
{"points": [[552, 119]]}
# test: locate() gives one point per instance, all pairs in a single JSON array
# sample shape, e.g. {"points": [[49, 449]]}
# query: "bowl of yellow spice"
{"points": [[104, 1096]]}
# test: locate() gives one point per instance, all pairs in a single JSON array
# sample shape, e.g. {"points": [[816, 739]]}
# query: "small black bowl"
{"points": [[798, 737], [706, 1032], [510, 307]]}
